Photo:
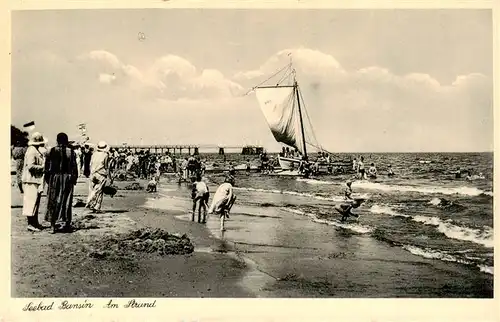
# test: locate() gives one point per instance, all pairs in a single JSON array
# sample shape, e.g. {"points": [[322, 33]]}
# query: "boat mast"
{"points": [[296, 92]]}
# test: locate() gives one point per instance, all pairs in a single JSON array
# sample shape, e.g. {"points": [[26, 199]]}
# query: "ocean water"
{"points": [[423, 210]]}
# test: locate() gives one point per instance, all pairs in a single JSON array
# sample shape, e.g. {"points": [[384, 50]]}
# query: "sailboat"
{"points": [[284, 109]]}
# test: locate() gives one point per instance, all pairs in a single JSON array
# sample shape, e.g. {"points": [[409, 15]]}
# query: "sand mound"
{"points": [[134, 186], [122, 175], [145, 240], [85, 222]]}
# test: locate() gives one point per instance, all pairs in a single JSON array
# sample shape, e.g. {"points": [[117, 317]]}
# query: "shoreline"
{"points": [[310, 259], [243, 264]]}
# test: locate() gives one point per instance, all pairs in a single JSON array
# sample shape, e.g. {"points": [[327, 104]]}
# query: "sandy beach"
{"points": [[60, 266], [264, 253]]}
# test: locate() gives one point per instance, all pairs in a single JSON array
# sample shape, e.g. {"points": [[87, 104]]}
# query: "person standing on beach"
{"points": [[18, 153], [200, 195], [32, 178], [100, 174], [87, 157], [78, 153], [223, 201], [184, 169], [61, 174]]}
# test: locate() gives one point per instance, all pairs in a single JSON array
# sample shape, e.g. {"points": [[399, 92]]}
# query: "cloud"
{"points": [[307, 61], [106, 78], [366, 109], [375, 108], [170, 77]]}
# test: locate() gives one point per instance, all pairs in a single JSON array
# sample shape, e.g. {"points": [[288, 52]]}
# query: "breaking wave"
{"points": [[466, 191], [351, 226], [477, 236], [440, 255], [463, 190], [482, 237], [433, 254], [293, 193]]}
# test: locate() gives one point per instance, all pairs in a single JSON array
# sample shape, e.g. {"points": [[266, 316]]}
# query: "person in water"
{"points": [[390, 173], [361, 169], [223, 201], [372, 171], [345, 208], [348, 190], [200, 195]]}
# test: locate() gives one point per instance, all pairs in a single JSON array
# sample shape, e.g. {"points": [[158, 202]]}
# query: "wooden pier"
{"points": [[189, 149]]}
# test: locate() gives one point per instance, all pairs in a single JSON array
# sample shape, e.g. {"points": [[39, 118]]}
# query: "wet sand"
{"points": [[45, 265], [265, 252], [297, 257]]}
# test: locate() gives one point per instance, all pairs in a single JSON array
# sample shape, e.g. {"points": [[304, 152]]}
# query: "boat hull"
{"points": [[288, 164]]}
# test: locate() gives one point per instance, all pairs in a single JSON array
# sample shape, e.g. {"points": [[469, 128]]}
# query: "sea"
{"points": [[423, 210]]}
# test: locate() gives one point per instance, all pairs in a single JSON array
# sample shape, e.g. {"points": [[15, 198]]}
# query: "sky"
{"points": [[372, 80]]}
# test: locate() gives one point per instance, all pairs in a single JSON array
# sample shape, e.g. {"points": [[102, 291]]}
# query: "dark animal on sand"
{"points": [[109, 190]]}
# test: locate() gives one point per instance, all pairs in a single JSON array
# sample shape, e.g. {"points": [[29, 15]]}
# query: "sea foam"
{"points": [[450, 230], [362, 229], [364, 184]]}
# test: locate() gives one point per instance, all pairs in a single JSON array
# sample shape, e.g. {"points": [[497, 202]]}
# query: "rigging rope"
{"points": [[310, 123], [279, 71]]}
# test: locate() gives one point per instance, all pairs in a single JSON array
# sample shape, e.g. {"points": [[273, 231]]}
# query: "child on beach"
{"points": [[200, 195], [152, 185], [348, 190]]}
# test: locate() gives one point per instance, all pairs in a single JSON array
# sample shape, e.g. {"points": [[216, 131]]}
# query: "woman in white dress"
{"points": [[32, 178]]}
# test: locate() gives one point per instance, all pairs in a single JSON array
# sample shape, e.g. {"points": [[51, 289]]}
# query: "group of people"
{"points": [[222, 201], [358, 166], [57, 171]]}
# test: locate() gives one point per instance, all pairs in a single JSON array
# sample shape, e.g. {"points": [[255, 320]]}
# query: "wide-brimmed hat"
{"points": [[37, 139], [102, 146]]}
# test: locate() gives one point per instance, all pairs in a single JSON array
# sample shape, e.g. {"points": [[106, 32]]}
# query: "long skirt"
{"points": [[78, 166], [60, 198], [94, 200], [222, 205], [31, 200]]}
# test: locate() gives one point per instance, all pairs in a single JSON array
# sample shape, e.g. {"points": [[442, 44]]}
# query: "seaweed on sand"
{"points": [[134, 186], [145, 240]]}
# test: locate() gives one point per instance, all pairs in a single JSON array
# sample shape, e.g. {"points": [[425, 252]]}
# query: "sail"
{"points": [[278, 104]]}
